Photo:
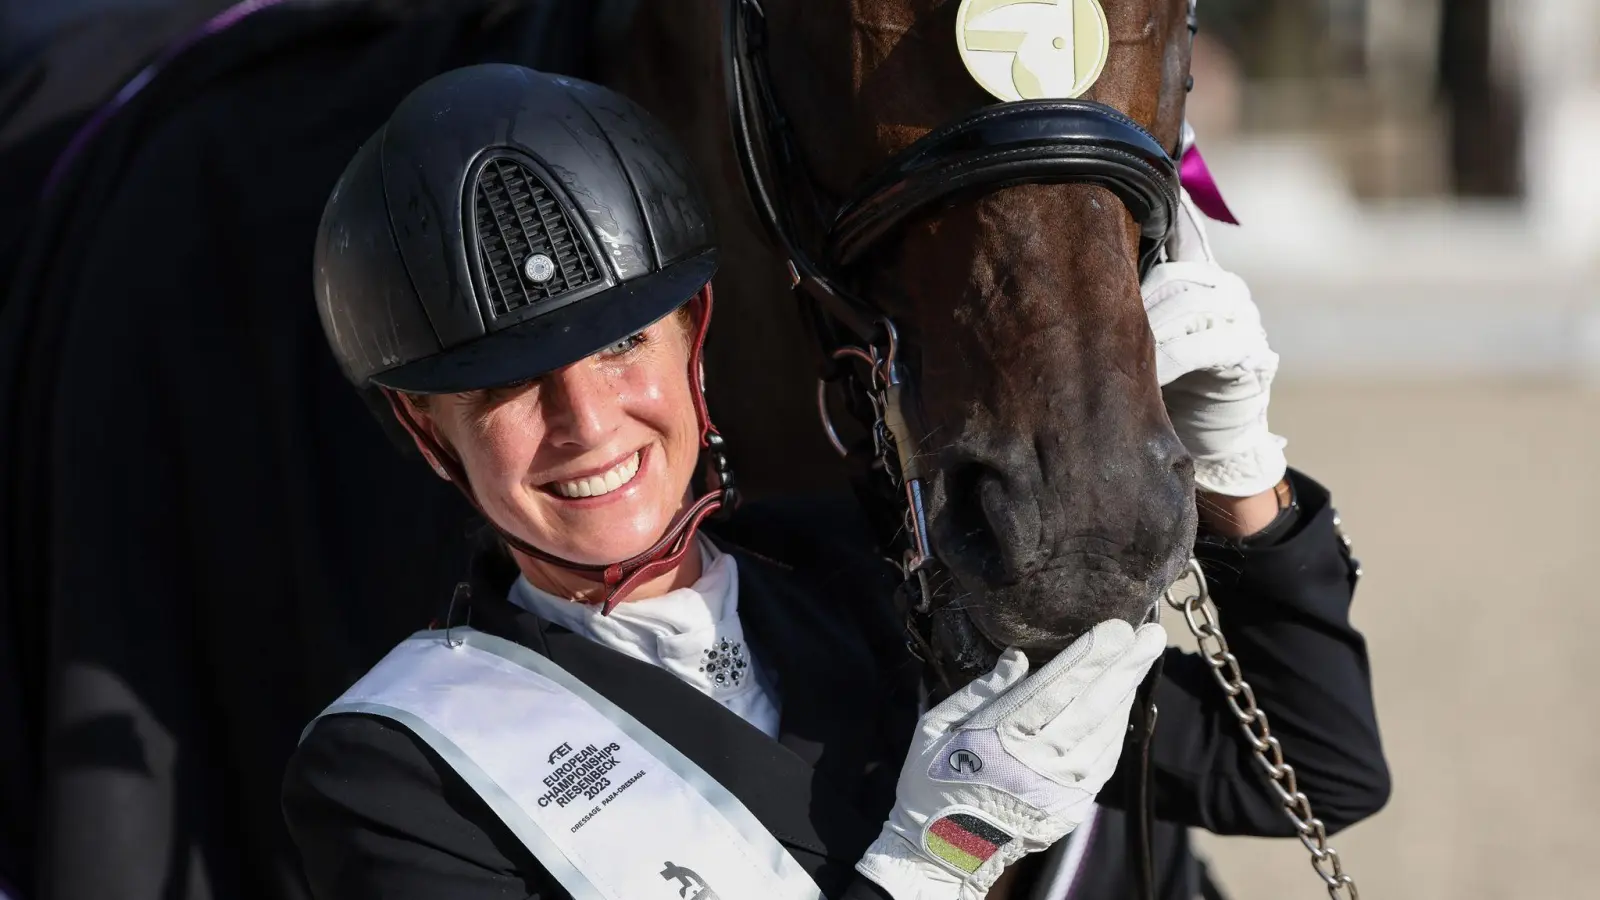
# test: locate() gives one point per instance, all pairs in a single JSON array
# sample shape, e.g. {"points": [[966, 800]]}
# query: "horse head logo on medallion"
{"points": [[1034, 49]]}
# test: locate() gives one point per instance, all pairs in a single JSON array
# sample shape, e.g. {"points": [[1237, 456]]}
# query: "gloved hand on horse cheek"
{"points": [[1214, 364], [1009, 765]]}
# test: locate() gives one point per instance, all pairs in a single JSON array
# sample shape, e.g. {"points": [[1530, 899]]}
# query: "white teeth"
{"points": [[596, 485]]}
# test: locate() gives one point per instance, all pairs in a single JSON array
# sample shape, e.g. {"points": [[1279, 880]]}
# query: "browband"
{"points": [[1026, 142]]}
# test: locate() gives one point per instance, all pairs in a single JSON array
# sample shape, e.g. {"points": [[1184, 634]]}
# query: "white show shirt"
{"points": [[692, 632]]}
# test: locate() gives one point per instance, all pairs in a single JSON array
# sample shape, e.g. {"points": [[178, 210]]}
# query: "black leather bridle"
{"points": [[993, 147]]}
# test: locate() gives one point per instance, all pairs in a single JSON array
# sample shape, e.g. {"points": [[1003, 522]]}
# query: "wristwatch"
{"points": [[1280, 526]]}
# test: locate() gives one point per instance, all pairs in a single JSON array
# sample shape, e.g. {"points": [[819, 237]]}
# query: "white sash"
{"points": [[612, 811]]}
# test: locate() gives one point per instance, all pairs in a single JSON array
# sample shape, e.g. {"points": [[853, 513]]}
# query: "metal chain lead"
{"points": [[1201, 615], [1199, 612]]}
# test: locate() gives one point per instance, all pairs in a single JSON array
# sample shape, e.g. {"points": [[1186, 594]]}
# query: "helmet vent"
{"points": [[519, 219]]}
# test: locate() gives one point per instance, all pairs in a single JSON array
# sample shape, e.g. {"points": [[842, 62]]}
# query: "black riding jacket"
{"points": [[376, 814]]}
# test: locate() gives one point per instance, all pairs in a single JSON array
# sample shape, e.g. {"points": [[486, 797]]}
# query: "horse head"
{"points": [[1057, 494]]}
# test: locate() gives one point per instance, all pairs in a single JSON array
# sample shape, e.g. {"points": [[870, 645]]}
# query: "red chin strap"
{"points": [[619, 578]]}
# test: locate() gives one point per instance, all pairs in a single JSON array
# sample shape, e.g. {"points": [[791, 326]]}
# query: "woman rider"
{"points": [[617, 705]]}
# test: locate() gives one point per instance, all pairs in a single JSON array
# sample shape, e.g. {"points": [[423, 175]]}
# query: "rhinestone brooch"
{"points": [[725, 663]]}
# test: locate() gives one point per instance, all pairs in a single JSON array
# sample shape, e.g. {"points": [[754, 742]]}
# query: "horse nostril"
{"points": [[1183, 466], [991, 521], [970, 534], [1168, 452]]}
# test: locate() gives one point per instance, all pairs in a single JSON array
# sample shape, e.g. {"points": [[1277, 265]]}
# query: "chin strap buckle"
{"points": [[726, 484]]}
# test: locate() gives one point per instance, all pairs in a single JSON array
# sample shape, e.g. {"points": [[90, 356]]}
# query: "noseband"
{"points": [[990, 148]]}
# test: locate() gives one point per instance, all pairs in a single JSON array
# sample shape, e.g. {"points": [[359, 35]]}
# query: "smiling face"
{"points": [[590, 462]]}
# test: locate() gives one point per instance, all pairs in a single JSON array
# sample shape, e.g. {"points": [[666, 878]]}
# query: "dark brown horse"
{"points": [[169, 638], [1059, 496]]}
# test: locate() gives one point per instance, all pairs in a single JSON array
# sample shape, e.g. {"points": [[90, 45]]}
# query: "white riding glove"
{"points": [[1007, 766], [1214, 364]]}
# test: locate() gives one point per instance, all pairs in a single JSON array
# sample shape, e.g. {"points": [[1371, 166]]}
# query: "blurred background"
{"points": [[1421, 226]]}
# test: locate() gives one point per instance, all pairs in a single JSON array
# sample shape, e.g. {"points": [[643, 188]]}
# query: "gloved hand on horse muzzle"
{"points": [[1009, 765], [1214, 364]]}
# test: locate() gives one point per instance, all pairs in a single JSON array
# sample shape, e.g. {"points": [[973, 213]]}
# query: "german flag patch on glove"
{"points": [[964, 841]]}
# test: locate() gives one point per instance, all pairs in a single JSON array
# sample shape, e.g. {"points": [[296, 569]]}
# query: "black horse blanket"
{"points": [[186, 481]]}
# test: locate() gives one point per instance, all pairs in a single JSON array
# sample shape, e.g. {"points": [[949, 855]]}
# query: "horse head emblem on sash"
{"points": [[687, 880]]}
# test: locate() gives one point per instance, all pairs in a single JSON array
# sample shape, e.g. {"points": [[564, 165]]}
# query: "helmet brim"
{"points": [[555, 339]]}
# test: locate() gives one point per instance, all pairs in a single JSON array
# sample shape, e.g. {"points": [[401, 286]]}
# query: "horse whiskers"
{"points": [[923, 439], [1227, 567], [961, 603], [930, 453], [1227, 517], [1216, 511]]}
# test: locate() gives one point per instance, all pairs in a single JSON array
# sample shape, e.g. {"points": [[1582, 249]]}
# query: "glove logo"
{"points": [[965, 762]]}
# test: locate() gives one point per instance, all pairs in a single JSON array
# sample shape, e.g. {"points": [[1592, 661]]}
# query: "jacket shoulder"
{"points": [[376, 813], [816, 537], [821, 552]]}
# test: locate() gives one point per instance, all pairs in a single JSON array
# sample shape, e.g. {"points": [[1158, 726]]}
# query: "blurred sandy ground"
{"points": [[1435, 355], [1472, 510]]}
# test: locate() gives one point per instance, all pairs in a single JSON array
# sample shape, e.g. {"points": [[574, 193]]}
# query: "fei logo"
{"points": [[1034, 49]]}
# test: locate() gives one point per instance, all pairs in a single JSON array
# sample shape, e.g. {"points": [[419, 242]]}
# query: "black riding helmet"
{"points": [[504, 223]]}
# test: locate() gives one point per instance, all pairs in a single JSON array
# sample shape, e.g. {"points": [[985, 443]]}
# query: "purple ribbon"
{"points": [[1197, 179], [221, 21]]}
